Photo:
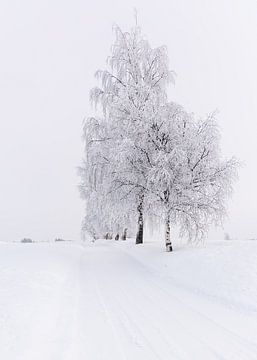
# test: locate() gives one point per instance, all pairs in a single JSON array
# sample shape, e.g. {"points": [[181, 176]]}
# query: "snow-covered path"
{"points": [[102, 302]]}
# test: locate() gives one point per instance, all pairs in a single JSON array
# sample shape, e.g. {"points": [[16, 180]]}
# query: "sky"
{"points": [[49, 53]]}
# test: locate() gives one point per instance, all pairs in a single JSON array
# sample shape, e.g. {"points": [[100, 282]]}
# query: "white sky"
{"points": [[49, 51]]}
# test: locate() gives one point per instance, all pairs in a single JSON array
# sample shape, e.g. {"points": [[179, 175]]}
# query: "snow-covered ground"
{"points": [[114, 301]]}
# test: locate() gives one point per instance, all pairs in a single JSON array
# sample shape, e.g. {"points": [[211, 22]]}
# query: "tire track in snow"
{"points": [[133, 337], [243, 349], [126, 311], [148, 319], [138, 321]]}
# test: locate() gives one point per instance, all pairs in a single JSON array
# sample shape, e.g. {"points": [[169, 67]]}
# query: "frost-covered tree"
{"points": [[145, 155], [131, 93], [188, 178], [106, 211]]}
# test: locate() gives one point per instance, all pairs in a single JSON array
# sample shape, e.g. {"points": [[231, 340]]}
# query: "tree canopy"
{"points": [[145, 155]]}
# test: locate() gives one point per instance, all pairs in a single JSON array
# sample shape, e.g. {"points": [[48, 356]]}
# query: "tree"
{"points": [[189, 180], [130, 96], [147, 155], [106, 210]]}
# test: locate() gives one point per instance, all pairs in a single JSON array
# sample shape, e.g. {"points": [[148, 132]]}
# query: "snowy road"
{"points": [[101, 302]]}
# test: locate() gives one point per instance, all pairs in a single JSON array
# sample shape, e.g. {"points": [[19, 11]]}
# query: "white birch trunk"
{"points": [[167, 234]]}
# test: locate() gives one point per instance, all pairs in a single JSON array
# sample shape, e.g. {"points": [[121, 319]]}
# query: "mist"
{"points": [[50, 51]]}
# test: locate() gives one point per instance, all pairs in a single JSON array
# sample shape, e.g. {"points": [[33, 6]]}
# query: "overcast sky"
{"points": [[49, 52]]}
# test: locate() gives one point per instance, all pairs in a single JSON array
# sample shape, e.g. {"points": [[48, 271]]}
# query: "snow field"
{"points": [[114, 300]]}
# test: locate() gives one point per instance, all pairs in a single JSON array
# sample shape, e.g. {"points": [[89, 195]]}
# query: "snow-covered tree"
{"points": [[144, 154], [131, 93], [106, 210], [188, 178]]}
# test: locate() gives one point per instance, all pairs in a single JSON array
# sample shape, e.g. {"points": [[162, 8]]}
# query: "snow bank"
{"points": [[223, 270]]}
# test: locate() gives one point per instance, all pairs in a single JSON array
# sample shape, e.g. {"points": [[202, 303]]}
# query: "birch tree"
{"points": [[189, 179], [145, 153], [107, 211], [131, 93]]}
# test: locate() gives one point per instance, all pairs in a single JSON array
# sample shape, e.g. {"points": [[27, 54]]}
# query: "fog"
{"points": [[50, 51]]}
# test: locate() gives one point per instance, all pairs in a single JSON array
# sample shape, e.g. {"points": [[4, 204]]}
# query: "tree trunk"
{"points": [[140, 232], [167, 234], [124, 235]]}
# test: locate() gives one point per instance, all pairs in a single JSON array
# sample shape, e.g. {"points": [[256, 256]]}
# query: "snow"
{"points": [[115, 300]]}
